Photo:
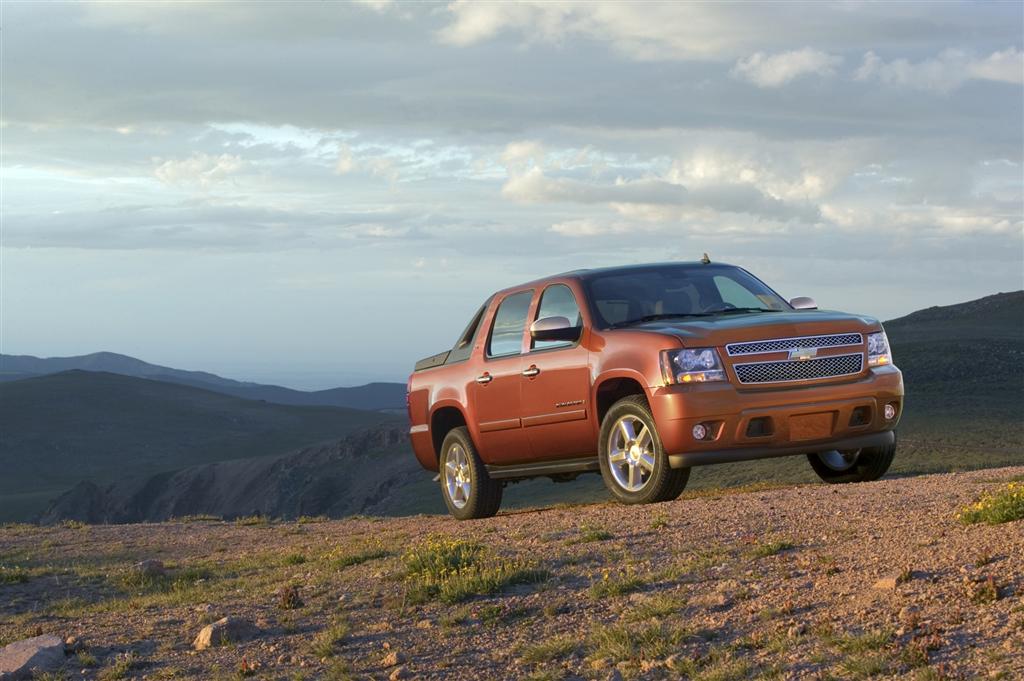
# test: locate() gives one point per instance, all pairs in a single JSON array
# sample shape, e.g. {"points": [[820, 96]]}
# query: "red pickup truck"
{"points": [[641, 372]]}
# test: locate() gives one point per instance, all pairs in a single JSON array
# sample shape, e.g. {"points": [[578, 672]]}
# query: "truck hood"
{"points": [[722, 329]]}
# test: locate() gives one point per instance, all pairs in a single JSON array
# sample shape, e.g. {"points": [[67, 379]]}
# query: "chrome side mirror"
{"points": [[803, 303], [554, 329]]}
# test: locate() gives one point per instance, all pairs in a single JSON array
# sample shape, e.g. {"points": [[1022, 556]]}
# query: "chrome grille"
{"points": [[799, 370], [784, 344]]}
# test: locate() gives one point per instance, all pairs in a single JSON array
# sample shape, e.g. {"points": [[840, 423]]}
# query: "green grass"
{"points": [[592, 533], [13, 575], [453, 570], [656, 607], [120, 668], [294, 559], [869, 641], [548, 650], [327, 642], [611, 585], [771, 548], [359, 556], [630, 642], [1000, 506]]}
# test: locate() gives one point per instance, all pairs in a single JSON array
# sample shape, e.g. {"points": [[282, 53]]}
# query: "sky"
{"points": [[320, 193]]}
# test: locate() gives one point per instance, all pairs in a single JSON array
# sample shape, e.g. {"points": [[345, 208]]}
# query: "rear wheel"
{"points": [[467, 489], [855, 465], [633, 461]]}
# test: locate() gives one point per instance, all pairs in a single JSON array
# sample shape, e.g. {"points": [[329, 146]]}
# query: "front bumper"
{"points": [[764, 423]]}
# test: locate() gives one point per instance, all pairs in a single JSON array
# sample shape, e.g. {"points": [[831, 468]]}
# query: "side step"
{"points": [[533, 470]]}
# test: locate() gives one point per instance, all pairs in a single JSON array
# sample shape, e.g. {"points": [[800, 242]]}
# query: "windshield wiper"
{"points": [[656, 317], [746, 309]]}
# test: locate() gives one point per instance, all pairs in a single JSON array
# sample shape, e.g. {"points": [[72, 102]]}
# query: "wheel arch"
{"points": [[612, 387], [444, 418]]}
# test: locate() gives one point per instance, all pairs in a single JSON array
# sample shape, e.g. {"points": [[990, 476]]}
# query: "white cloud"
{"points": [[775, 70], [945, 72], [200, 169], [531, 183], [346, 163]]}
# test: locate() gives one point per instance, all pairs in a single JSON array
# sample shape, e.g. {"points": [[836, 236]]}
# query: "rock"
{"points": [[72, 644], [887, 583], [614, 675], [399, 673], [225, 630], [150, 568], [393, 659], [20, 659], [796, 631]]}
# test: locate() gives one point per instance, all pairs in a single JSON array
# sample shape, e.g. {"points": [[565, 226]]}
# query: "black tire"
{"points": [[484, 496], [871, 464], [664, 483]]}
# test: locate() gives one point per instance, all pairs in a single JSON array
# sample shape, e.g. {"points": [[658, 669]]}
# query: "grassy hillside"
{"points": [[371, 396], [64, 428]]}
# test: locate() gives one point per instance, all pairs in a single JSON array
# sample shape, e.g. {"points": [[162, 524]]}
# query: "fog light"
{"points": [[700, 432], [889, 411]]}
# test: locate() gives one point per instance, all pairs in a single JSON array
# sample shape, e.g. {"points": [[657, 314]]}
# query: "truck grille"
{"points": [[799, 370], [784, 344]]}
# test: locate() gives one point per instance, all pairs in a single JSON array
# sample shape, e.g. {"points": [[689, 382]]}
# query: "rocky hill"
{"points": [[60, 429], [810, 582]]}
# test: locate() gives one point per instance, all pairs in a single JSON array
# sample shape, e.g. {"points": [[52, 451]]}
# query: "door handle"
{"points": [[484, 379], [531, 372]]}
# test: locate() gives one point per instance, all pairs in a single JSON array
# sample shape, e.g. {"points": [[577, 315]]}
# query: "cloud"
{"points": [[775, 70], [946, 72], [346, 163], [200, 169], [530, 183]]}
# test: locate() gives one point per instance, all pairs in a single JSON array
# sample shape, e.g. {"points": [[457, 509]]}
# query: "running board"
{"points": [[533, 470]]}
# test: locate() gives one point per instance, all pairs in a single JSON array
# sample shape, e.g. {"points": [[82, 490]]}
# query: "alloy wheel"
{"points": [[457, 478], [631, 453]]}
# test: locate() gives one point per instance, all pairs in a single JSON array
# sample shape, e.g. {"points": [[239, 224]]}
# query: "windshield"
{"points": [[622, 297]]}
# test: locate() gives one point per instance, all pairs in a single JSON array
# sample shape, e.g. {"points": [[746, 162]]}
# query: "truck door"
{"points": [[556, 386], [495, 394]]}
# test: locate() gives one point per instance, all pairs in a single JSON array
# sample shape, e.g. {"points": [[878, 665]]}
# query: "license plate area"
{"points": [[811, 426]]}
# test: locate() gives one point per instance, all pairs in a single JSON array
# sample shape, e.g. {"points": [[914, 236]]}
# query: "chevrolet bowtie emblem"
{"points": [[803, 353]]}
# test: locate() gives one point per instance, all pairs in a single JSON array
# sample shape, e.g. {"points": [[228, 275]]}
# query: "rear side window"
{"points": [[464, 347], [558, 301], [509, 325]]}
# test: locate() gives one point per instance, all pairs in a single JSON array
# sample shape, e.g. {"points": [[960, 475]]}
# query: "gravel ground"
{"points": [[809, 582]]}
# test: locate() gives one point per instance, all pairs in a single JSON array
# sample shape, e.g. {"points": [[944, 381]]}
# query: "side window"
{"points": [[557, 301], [509, 325], [734, 293], [464, 347]]}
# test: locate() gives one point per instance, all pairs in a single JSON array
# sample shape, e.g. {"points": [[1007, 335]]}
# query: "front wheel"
{"points": [[467, 489], [856, 465], [633, 461]]}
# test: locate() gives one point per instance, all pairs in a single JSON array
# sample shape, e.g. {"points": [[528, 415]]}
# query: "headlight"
{"points": [[692, 365], [878, 350]]}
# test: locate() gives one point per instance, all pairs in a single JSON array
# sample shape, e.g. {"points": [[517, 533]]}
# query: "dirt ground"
{"points": [[808, 582]]}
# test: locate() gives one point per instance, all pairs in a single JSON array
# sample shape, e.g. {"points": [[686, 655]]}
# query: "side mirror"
{"points": [[803, 303], [554, 329]]}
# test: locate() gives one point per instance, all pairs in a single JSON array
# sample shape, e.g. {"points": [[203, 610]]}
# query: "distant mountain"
{"points": [[972, 348], [60, 429], [996, 317], [374, 396]]}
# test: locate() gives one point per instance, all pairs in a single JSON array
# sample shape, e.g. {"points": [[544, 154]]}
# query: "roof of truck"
{"points": [[588, 273]]}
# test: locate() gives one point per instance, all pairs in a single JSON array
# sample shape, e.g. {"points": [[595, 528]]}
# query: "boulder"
{"points": [[225, 630], [19, 660]]}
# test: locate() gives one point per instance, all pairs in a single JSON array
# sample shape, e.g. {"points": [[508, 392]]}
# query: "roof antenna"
{"points": [[705, 260]]}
